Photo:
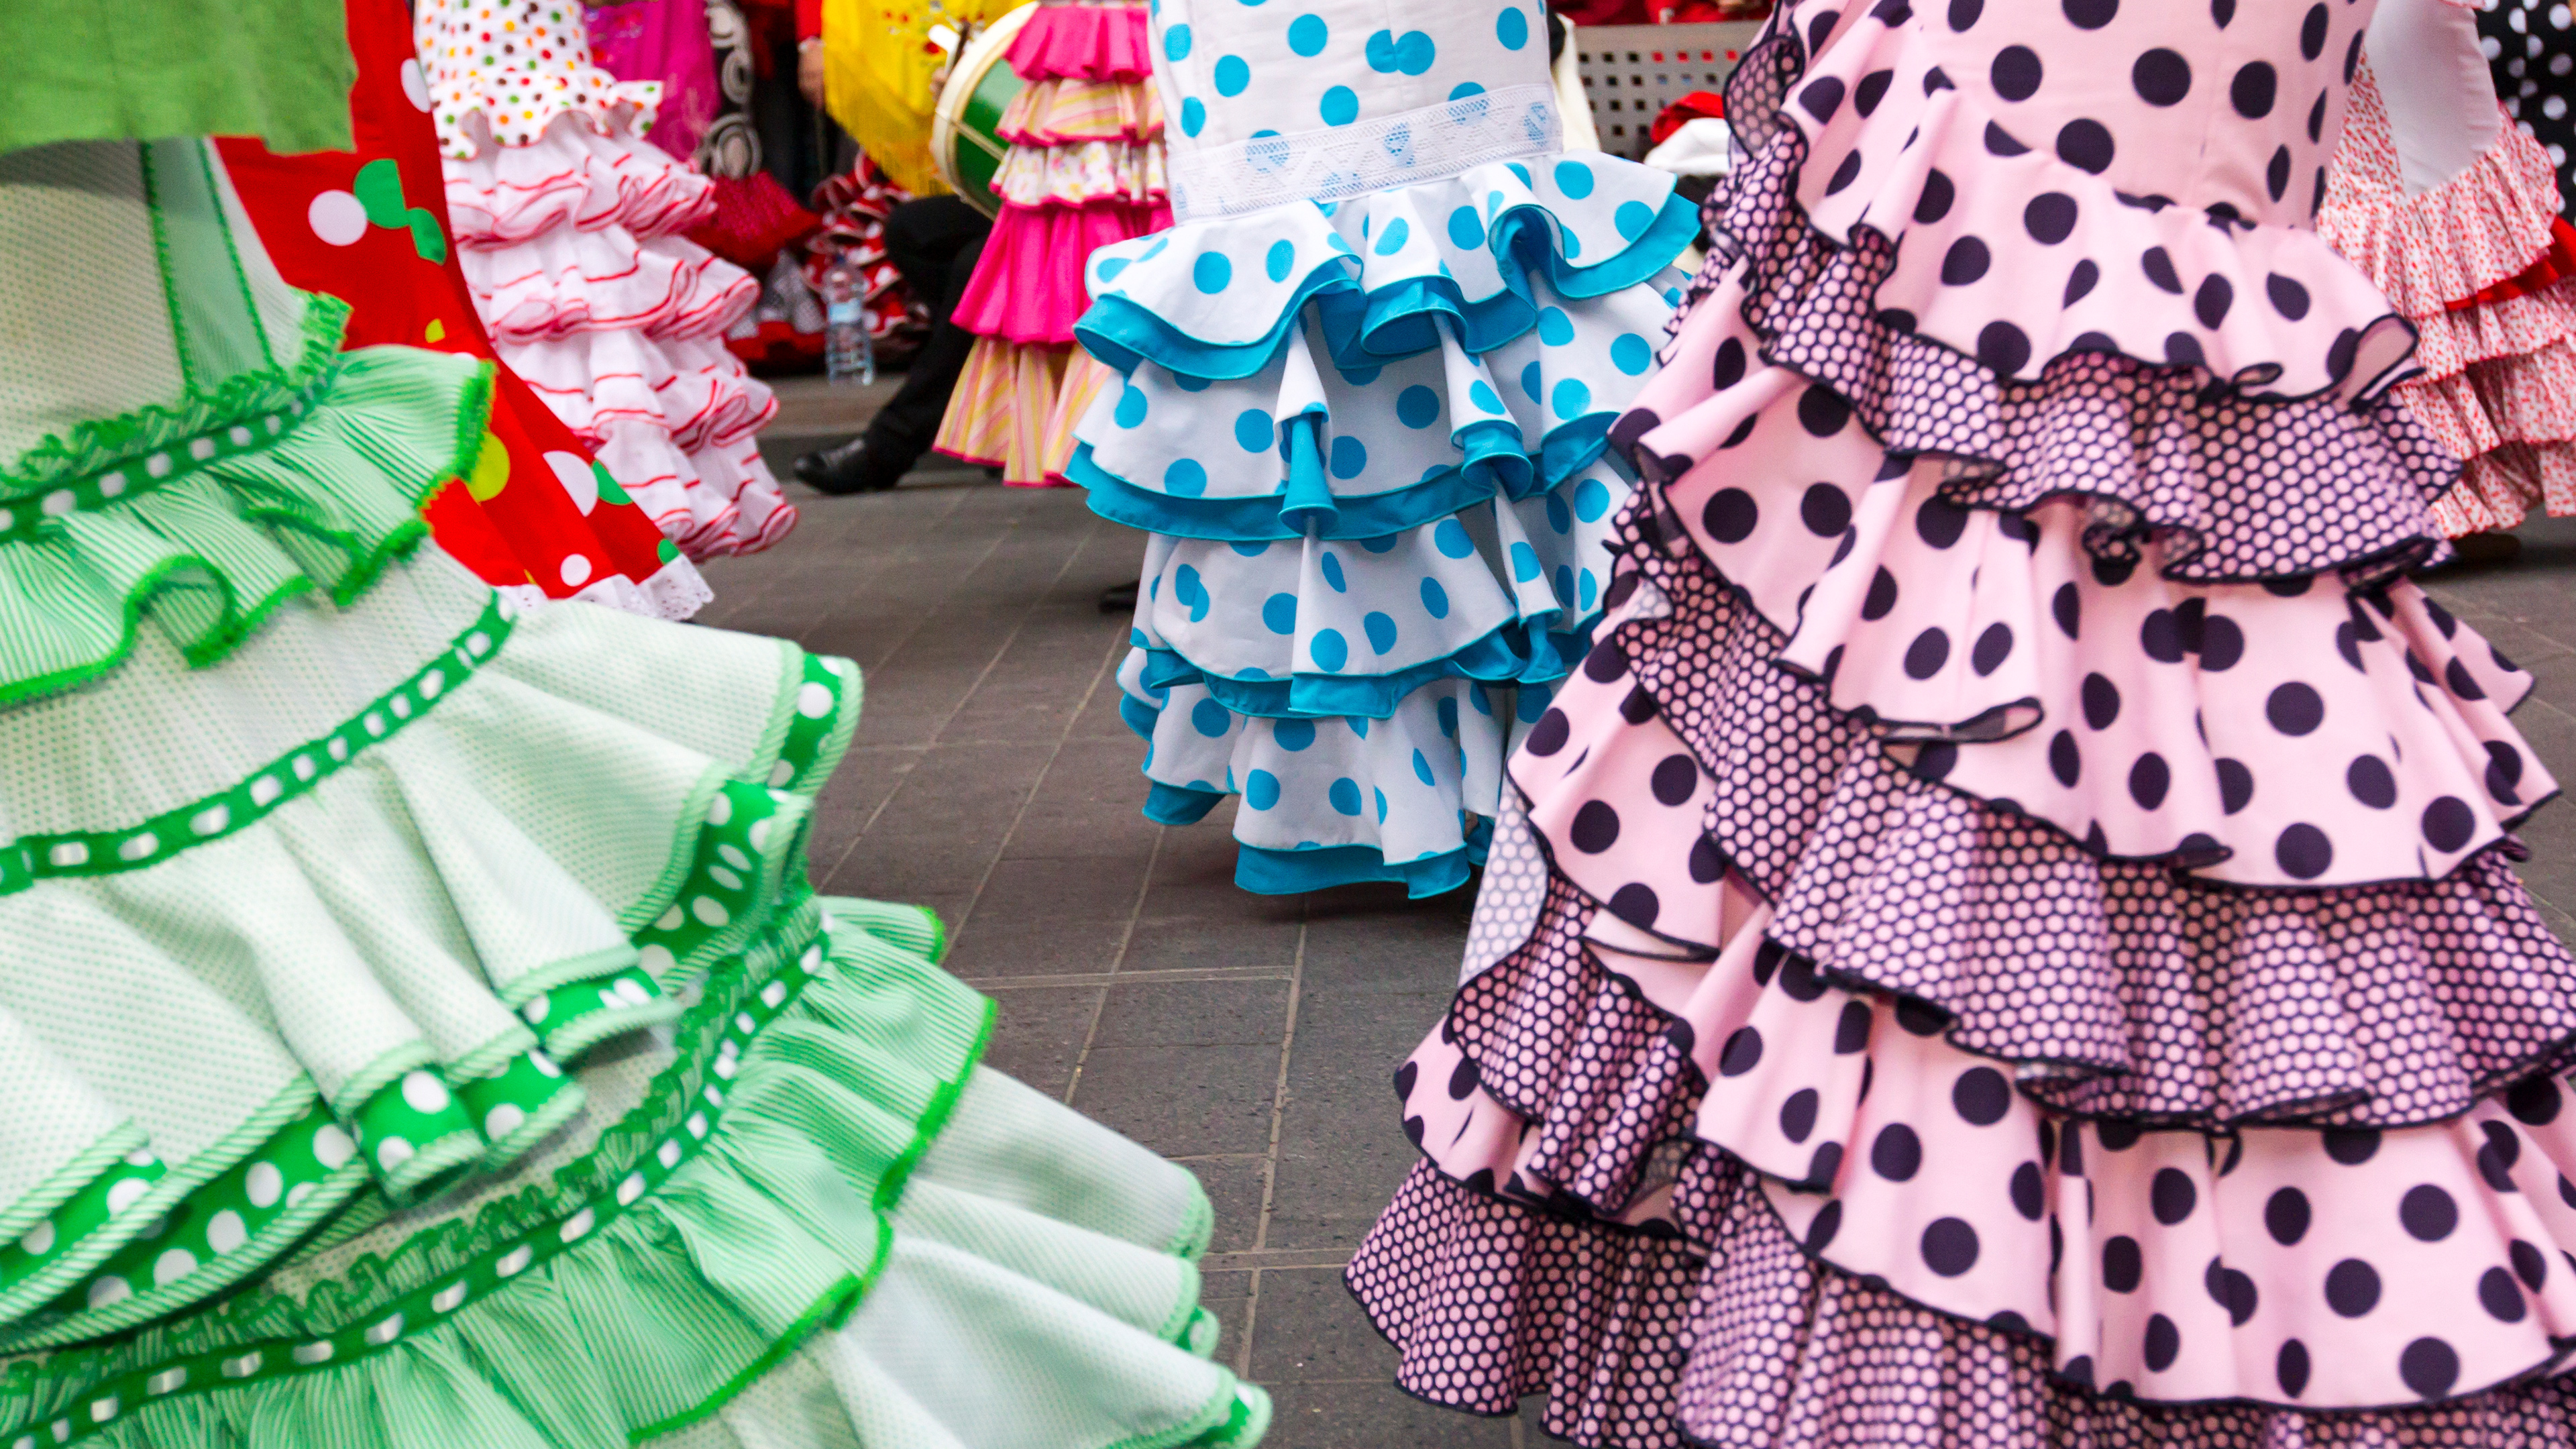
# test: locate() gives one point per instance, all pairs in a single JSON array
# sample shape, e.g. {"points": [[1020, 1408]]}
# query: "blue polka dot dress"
{"points": [[1366, 384]]}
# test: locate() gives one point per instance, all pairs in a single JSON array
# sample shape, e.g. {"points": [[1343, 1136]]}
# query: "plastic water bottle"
{"points": [[849, 349]]}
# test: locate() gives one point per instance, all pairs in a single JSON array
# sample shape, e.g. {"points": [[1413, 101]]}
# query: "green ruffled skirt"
{"points": [[414, 1030]]}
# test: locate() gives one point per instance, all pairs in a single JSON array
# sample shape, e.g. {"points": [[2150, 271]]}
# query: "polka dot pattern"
{"points": [[1404, 790], [2427, 992], [2530, 54], [503, 69], [2035, 110], [2204, 471], [1466, 1287], [1247, 66], [1512, 891]]}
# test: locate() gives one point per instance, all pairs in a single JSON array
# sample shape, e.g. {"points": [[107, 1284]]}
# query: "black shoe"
{"points": [[853, 467], [1118, 599]]}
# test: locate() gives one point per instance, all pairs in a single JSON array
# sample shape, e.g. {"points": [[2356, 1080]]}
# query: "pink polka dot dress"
{"points": [[2008, 938]]}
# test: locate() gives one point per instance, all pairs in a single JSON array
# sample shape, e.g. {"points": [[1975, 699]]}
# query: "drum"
{"points": [[966, 128]]}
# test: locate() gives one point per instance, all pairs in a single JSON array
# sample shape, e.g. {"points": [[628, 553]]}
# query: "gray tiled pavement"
{"points": [[1249, 1036]]}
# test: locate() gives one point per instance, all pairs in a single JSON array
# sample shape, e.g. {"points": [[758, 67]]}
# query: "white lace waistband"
{"points": [[1339, 162]]}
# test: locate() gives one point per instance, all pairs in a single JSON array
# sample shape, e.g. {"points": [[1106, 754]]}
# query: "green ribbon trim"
{"points": [[212, 512], [100, 1405], [290, 776], [91, 449]]}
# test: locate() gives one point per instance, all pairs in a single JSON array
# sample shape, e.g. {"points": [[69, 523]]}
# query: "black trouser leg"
{"points": [[936, 243]]}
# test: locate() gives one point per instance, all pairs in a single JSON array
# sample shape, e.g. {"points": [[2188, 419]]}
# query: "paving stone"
{"points": [[1374, 1415], [1036, 891], [1188, 1101], [1195, 1013], [1234, 1191], [1167, 945], [1038, 1033], [1309, 1329], [1229, 1297], [1342, 1148], [988, 947]]}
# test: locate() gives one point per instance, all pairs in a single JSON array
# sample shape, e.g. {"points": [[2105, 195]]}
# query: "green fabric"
{"points": [[725, 1227], [146, 843], [104, 69], [742, 1267], [206, 516]]}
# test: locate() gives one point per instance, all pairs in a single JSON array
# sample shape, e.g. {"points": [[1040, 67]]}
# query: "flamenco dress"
{"points": [[414, 1020], [2453, 212], [2009, 937], [1366, 387], [532, 513], [569, 226], [1084, 170]]}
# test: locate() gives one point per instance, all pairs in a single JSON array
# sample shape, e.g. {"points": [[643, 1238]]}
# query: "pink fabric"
{"points": [[666, 41], [2021, 230], [1084, 42], [1038, 294]]}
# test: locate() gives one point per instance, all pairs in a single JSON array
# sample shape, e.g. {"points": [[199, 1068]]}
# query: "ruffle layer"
{"points": [[1030, 291], [1067, 112], [1787, 1353], [2530, 400], [569, 281], [1712, 764], [1082, 173], [1859, 127], [1078, 41], [1220, 298], [673, 423], [2509, 327], [203, 526], [2005, 641], [820, 1206], [1490, 1302], [436, 909], [2207, 478], [2498, 488], [998, 413], [2430, 250], [1501, 592], [1330, 802], [573, 175], [1312, 444]]}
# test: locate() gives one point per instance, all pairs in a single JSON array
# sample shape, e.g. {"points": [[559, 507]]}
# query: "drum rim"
{"points": [[945, 115]]}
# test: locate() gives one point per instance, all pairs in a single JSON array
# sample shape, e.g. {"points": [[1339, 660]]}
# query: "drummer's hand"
{"points": [[809, 71]]}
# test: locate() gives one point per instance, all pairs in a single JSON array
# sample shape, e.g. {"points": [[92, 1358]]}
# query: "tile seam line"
{"points": [[878, 813], [959, 708], [1270, 1163]]}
